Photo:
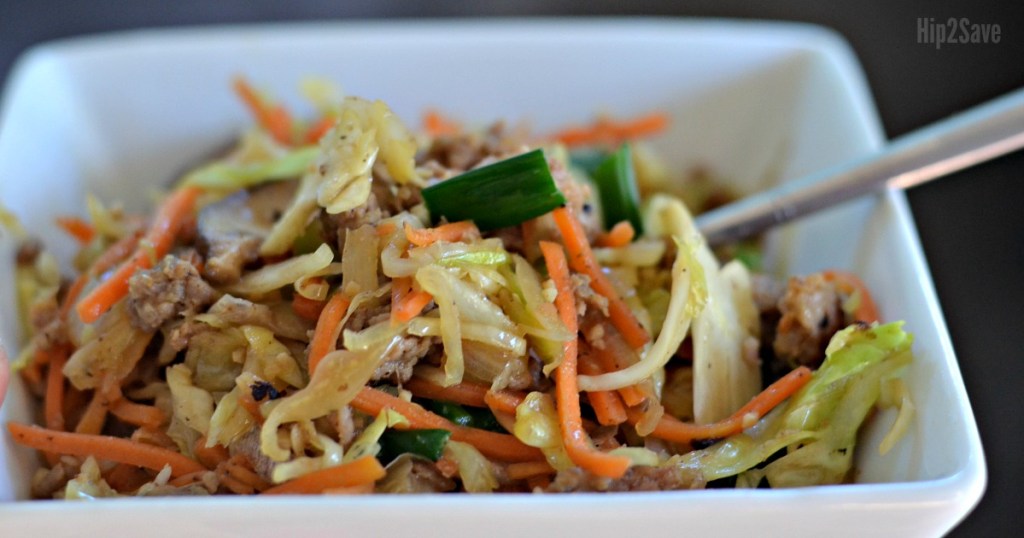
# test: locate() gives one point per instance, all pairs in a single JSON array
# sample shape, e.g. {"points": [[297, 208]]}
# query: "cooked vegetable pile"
{"points": [[345, 306]]}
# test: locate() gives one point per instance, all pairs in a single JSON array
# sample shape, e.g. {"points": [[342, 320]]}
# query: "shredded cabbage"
{"points": [[276, 276], [537, 426], [366, 444], [338, 378], [192, 405], [818, 426], [475, 470]]}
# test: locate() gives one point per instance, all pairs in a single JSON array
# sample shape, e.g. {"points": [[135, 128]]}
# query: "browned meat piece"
{"points": [[767, 292], [640, 478], [238, 311], [811, 313], [413, 474], [586, 296], [465, 151], [249, 446], [231, 230], [28, 251], [397, 364], [369, 213], [172, 288]]}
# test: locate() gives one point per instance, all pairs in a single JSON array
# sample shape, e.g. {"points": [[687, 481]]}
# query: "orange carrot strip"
{"points": [[95, 415], [73, 292], [247, 402], [606, 404], [307, 308], [186, 479], [78, 228], [234, 486], [607, 131], [503, 401], [161, 237], [210, 456], [448, 467], [672, 429], [619, 236], [461, 393], [53, 406], [567, 396], [436, 125], [411, 305], [613, 356], [499, 446], [365, 470], [867, 310], [145, 416], [316, 131], [102, 447], [325, 336], [581, 259], [126, 478], [116, 252], [240, 469], [275, 119], [451, 232], [359, 489], [528, 469]]}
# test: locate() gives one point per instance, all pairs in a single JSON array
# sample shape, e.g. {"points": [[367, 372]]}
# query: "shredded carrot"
{"points": [[848, 283], [499, 446], [247, 402], [451, 232], [126, 478], [210, 456], [232, 484], [581, 259], [410, 305], [538, 482], [275, 119], [614, 355], [672, 429], [606, 404], [307, 308], [53, 406], [610, 132], [317, 130], [503, 401], [437, 125], [386, 228], [144, 416], [364, 470], [161, 237], [73, 292], [464, 393], [447, 466], [102, 447], [619, 236], [240, 468], [528, 469], [78, 228], [567, 397], [95, 415], [188, 478], [325, 336], [116, 252], [359, 489]]}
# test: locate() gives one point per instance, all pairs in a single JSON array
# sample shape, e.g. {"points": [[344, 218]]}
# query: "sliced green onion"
{"points": [[503, 194], [225, 176], [616, 184], [427, 443], [466, 416], [587, 159]]}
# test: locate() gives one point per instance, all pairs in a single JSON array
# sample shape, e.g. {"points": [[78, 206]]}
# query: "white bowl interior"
{"points": [[119, 116]]}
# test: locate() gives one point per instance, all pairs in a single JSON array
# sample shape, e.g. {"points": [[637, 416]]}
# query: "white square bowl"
{"points": [[120, 115]]}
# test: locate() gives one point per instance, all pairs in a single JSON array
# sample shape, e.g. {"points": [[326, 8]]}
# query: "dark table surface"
{"points": [[971, 224]]}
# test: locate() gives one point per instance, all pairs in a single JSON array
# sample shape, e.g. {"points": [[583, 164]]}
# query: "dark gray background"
{"points": [[971, 224]]}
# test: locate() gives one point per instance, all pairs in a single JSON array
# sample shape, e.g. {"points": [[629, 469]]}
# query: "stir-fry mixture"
{"points": [[345, 306]]}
